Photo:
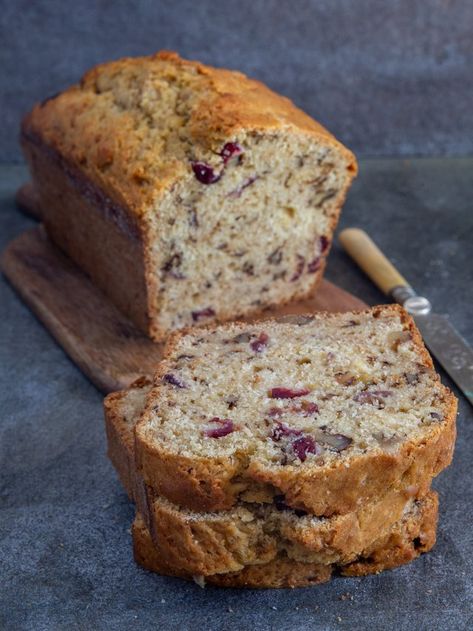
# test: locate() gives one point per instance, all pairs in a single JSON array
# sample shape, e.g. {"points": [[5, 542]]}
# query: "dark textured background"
{"points": [[388, 77]]}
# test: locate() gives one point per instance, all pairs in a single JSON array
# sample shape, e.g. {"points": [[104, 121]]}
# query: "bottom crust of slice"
{"points": [[410, 537]]}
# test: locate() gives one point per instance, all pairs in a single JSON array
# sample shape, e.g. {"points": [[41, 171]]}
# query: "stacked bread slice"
{"points": [[276, 453]]}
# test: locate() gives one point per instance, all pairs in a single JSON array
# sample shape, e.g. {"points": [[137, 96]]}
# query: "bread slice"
{"points": [[187, 193], [410, 537], [328, 411], [209, 543]]}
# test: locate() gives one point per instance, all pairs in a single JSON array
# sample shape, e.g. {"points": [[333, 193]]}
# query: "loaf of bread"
{"points": [[414, 534], [327, 412], [210, 543], [187, 193]]}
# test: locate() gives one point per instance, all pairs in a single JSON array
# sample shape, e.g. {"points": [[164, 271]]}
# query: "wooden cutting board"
{"points": [[105, 345]]}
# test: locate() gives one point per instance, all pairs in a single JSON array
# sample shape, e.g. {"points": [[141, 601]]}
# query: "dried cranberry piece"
{"points": [[224, 427], [280, 430], [281, 505], [299, 268], [303, 446], [230, 150], [205, 173], [287, 393], [275, 412], [314, 265], [203, 313], [260, 343], [173, 380], [324, 243]]}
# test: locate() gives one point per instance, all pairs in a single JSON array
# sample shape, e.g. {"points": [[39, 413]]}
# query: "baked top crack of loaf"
{"points": [[414, 534], [208, 543], [187, 193], [328, 411]]}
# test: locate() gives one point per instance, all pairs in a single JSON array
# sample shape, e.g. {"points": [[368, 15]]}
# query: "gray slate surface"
{"points": [[389, 77], [65, 549]]}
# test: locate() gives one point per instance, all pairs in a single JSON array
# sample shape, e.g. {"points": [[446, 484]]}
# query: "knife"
{"points": [[446, 344]]}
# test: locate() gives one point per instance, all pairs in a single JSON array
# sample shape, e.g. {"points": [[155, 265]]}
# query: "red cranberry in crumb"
{"points": [[287, 393], [230, 150], [205, 173], [280, 430], [324, 243], [275, 412], [299, 268], [224, 427], [260, 343], [203, 313], [173, 380], [305, 445], [314, 265]]}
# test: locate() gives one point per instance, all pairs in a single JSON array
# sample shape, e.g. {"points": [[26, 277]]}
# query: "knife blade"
{"points": [[449, 348]]}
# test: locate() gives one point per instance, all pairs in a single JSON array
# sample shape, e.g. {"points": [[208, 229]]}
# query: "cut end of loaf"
{"points": [[326, 388], [246, 231]]}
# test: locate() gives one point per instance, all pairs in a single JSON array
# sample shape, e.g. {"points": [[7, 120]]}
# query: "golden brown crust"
{"points": [[408, 539], [120, 443], [97, 235], [214, 484], [404, 544], [230, 103], [212, 543]]}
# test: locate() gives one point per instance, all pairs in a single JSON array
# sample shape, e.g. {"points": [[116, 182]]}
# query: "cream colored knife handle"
{"points": [[371, 260], [381, 271]]}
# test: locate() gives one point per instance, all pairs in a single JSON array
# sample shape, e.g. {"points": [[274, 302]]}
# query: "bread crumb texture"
{"points": [[329, 387]]}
